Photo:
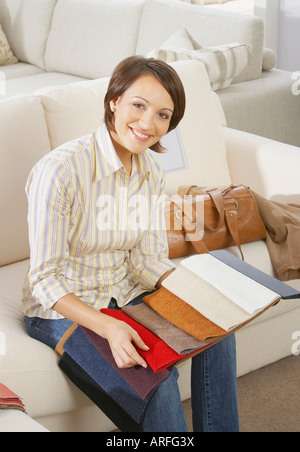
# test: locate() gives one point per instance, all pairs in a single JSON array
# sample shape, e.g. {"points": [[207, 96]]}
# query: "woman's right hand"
{"points": [[122, 338]]}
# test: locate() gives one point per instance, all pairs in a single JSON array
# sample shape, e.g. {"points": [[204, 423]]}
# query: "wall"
{"points": [[289, 35], [282, 30]]}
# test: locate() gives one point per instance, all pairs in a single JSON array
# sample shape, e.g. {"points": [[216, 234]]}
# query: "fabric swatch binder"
{"points": [[207, 298]]}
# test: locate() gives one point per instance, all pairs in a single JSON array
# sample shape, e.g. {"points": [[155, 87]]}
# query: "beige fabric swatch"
{"points": [[205, 298]]}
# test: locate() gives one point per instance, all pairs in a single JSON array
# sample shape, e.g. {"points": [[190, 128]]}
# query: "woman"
{"points": [[88, 250]]}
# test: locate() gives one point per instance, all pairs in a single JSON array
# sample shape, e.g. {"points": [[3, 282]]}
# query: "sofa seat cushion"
{"points": [[18, 422], [20, 69], [29, 367], [28, 84], [247, 105]]}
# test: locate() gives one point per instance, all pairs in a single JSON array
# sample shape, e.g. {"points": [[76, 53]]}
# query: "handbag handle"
{"points": [[228, 215], [218, 200], [216, 196]]}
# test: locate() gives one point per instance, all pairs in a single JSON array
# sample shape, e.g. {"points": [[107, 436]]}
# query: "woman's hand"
{"points": [[121, 338]]}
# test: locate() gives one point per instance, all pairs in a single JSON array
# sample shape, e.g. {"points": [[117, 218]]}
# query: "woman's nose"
{"points": [[146, 120]]}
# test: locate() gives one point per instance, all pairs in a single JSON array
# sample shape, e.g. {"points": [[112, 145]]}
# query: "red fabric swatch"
{"points": [[160, 356]]}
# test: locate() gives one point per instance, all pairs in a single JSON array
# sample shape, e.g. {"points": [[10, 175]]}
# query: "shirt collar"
{"points": [[108, 161]]}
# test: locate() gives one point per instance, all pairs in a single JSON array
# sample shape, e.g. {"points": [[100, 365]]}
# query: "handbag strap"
{"points": [[193, 234], [218, 200], [232, 223]]}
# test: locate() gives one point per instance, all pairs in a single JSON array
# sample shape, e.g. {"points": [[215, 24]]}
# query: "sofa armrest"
{"points": [[268, 167]]}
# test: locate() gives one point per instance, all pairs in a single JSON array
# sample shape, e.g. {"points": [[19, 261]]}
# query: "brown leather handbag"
{"points": [[200, 220]]}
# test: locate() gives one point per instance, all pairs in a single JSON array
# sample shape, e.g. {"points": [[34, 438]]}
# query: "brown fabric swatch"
{"points": [[183, 316], [177, 339]]}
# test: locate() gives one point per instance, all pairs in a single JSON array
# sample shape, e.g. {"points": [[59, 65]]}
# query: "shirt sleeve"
{"points": [[48, 193], [149, 258]]}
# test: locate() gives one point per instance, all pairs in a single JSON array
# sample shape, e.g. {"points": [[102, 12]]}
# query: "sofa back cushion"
{"points": [[201, 133], [161, 18], [26, 24], [88, 38], [74, 110], [23, 141]]}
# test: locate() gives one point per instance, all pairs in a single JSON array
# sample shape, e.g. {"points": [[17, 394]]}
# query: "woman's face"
{"points": [[142, 115]]}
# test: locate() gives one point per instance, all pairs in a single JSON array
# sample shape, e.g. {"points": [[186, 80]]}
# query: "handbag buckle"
{"points": [[236, 206]]}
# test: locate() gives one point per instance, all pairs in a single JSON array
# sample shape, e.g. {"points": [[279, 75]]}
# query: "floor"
{"points": [[269, 398]]}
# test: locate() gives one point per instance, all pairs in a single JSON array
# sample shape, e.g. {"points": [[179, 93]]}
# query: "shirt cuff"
{"points": [[48, 291], [153, 271]]}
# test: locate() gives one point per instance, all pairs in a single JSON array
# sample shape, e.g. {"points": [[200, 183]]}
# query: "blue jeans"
{"points": [[213, 384]]}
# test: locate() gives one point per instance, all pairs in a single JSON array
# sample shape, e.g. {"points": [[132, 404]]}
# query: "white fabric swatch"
{"points": [[241, 290]]}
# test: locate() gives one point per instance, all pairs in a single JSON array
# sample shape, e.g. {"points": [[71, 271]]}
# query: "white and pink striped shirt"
{"points": [[94, 230]]}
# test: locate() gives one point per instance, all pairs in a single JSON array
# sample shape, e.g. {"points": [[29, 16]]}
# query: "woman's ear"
{"points": [[113, 104]]}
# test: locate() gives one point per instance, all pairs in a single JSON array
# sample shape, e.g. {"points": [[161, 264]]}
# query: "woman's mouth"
{"points": [[139, 135]]}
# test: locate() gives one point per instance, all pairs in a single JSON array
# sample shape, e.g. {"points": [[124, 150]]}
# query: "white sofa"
{"points": [[30, 126], [63, 41]]}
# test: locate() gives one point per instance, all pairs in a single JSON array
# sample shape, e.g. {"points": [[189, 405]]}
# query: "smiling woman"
{"points": [[140, 122], [151, 86], [89, 250]]}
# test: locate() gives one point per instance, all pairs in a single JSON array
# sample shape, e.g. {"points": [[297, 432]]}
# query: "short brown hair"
{"points": [[128, 71]]}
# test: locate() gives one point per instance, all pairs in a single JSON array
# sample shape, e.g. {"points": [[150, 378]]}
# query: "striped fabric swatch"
{"points": [[178, 340], [222, 63]]}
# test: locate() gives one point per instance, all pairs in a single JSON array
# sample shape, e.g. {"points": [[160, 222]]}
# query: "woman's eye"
{"points": [[164, 116], [139, 106]]}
